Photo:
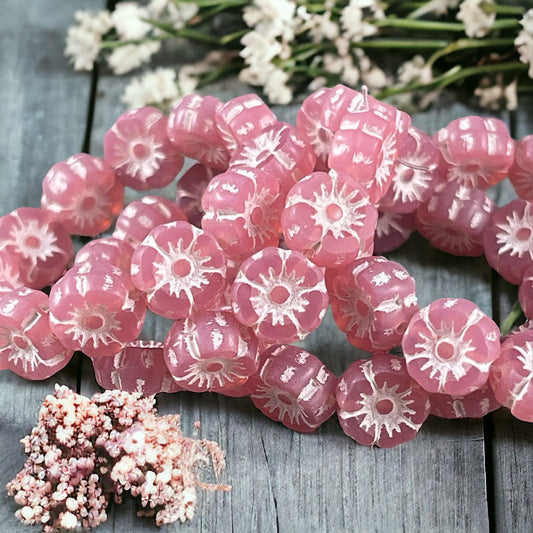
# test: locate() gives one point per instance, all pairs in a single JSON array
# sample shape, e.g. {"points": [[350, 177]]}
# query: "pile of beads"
{"points": [[272, 224]]}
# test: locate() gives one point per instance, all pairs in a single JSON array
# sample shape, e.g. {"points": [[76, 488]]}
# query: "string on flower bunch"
{"points": [[273, 223]]}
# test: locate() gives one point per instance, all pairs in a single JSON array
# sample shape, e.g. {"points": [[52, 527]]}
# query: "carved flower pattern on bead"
{"points": [[515, 235]]}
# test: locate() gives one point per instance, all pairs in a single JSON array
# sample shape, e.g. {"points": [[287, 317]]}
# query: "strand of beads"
{"points": [[272, 224]]}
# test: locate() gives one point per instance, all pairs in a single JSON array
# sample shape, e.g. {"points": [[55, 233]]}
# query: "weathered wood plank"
{"points": [[43, 108]]}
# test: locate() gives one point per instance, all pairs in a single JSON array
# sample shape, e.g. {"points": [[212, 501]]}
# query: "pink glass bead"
{"points": [[476, 151], [379, 404], [242, 210], [508, 240], [192, 129], [280, 151], [372, 300], [367, 144], [181, 269], [9, 272], [210, 351], [340, 101], [93, 310], [312, 130], [137, 148], [108, 250], [455, 218], [521, 171], [27, 345], [414, 173], [42, 248], [525, 292], [241, 119], [141, 216], [191, 187], [83, 194], [477, 404], [280, 294], [138, 367], [511, 377], [295, 388], [449, 346], [329, 218], [392, 230]]}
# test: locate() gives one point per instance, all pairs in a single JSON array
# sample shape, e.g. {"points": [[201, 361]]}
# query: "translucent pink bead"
{"points": [[455, 218], [9, 272], [93, 310], [372, 300], [242, 210], [511, 377], [340, 101], [42, 248], [83, 194], [508, 240], [329, 218], [367, 144], [27, 345], [139, 151], [476, 151], [181, 269], [414, 173], [138, 367], [280, 294], [450, 345], [192, 129], [392, 230], [477, 404], [191, 187], [280, 151], [141, 216], [295, 388], [525, 292], [241, 119], [308, 123], [211, 351], [108, 250], [521, 171], [379, 404]]}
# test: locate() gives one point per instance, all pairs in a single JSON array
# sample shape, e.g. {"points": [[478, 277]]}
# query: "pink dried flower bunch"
{"points": [[85, 452]]}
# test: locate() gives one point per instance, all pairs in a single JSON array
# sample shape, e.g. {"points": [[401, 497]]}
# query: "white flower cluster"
{"points": [[524, 41], [477, 19]]}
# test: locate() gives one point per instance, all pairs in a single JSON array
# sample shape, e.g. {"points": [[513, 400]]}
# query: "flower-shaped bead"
{"points": [[525, 292], [280, 294], [508, 240], [329, 218], [83, 194], [294, 387], [9, 272], [192, 129], [475, 151], [181, 269], [455, 218], [521, 171], [414, 173], [450, 345], [379, 403], [211, 351], [392, 230], [242, 209], [372, 300], [477, 404], [138, 149], [107, 249], [139, 367], [191, 187], [141, 216], [511, 376], [42, 248], [27, 345], [93, 309], [241, 119]]}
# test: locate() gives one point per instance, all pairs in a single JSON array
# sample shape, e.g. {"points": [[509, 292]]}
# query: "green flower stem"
{"points": [[511, 319], [504, 10], [226, 4], [402, 44], [226, 39], [414, 24]]}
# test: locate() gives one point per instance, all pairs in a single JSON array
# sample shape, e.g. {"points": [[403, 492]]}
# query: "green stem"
{"points": [[511, 319], [419, 44], [503, 10], [413, 24]]}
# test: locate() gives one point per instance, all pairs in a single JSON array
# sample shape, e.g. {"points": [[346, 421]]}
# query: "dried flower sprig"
{"points": [[84, 453]]}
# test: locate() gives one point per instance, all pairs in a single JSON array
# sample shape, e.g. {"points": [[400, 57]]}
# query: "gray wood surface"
{"points": [[468, 475]]}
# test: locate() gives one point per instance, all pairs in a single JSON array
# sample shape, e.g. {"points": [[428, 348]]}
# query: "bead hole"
{"points": [[384, 406]]}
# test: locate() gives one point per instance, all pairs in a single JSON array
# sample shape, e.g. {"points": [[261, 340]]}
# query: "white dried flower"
{"points": [[131, 56], [84, 39], [439, 7], [476, 20], [177, 13], [156, 87], [492, 96], [524, 41], [276, 88], [323, 28], [354, 26], [413, 70], [127, 18], [343, 66]]}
